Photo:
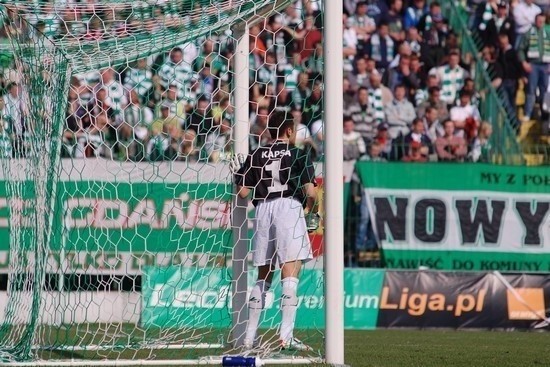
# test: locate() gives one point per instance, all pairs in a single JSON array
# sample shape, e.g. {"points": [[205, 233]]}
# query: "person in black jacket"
{"points": [[511, 71]]}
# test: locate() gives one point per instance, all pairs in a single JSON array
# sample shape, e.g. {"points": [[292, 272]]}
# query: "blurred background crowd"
{"points": [[409, 93]]}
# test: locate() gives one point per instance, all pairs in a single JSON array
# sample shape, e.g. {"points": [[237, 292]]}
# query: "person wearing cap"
{"points": [[499, 23], [535, 57]]}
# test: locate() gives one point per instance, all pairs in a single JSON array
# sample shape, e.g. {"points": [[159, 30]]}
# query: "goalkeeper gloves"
{"points": [[312, 222], [236, 163]]}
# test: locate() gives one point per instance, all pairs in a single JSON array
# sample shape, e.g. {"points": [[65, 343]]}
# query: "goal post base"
{"points": [[182, 362]]}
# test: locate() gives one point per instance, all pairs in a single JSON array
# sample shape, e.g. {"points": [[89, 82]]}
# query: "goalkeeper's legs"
{"points": [[289, 301], [256, 303]]}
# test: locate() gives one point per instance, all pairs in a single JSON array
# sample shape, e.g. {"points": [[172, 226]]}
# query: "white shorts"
{"points": [[280, 233]]}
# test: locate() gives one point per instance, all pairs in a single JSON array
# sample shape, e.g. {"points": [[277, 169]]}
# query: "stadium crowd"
{"points": [[408, 94], [408, 91]]}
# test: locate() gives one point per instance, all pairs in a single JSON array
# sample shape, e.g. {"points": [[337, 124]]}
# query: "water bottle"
{"points": [[239, 361]]}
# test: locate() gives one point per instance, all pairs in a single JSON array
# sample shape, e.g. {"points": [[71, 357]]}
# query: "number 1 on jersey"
{"points": [[276, 184]]}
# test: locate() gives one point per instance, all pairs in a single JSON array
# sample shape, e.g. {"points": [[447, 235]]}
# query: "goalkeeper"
{"points": [[281, 178]]}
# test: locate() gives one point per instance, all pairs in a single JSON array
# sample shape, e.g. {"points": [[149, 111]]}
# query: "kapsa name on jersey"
{"points": [[276, 154]]}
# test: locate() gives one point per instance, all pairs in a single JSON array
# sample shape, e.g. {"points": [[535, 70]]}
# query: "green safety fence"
{"points": [[506, 149]]}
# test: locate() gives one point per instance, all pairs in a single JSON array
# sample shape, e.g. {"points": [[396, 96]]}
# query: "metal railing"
{"points": [[506, 149]]}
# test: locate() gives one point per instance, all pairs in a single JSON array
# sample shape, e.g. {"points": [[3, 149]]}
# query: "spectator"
{"points": [[134, 127], [302, 92], [377, 10], [314, 64], [511, 71], [217, 145], [481, 147], [200, 120], [384, 141], [433, 29], [491, 66], [535, 56], [422, 94], [259, 135], [452, 77], [450, 147], [12, 112], [362, 114], [290, 72], [402, 75], [404, 49], [354, 144], [349, 93], [304, 140], [466, 117], [418, 134], [317, 130], [381, 47], [314, 105], [178, 107], [399, 113], [414, 153], [501, 23], [379, 96], [140, 79], [361, 23], [485, 14], [470, 86], [350, 42], [158, 142], [359, 78], [414, 13], [414, 40], [395, 21], [115, 93], [278, 40], [175, 70], [524, 13], [207, 83], [432, 126]]}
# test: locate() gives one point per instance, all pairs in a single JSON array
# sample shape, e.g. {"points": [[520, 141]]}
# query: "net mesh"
{"points": [[116, 126]]}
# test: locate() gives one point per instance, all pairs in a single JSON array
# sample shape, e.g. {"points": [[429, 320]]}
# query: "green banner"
{"points": [[201, 297], [117, 227], [460, 217]]}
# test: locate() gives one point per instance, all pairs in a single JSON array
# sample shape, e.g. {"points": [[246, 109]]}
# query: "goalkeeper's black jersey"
{"points": [[275, 171]]}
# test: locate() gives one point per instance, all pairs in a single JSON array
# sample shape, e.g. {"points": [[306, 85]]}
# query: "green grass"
{"points": [[380, 348], [436, 348]]}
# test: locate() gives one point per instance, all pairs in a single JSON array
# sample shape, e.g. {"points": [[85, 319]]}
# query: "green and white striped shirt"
{"points": [[140, 80], [452, 81], [376, 104]]}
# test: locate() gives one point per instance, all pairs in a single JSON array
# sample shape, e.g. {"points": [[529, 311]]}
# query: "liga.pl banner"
{"points": [[172, 296], [460, 217], [464, 300]]}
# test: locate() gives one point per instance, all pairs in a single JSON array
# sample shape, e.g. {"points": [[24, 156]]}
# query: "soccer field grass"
{"points": [[387, 348], [435, 348]]}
